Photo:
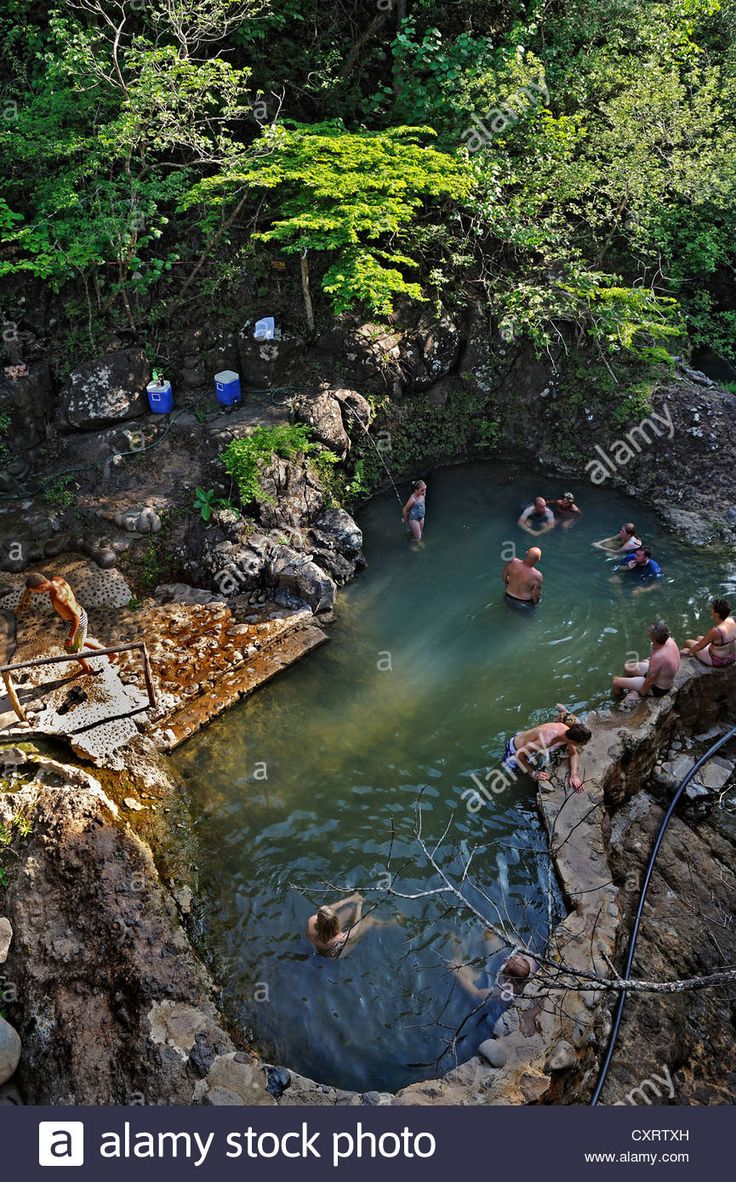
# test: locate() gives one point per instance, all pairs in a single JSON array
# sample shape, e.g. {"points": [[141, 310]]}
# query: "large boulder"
{"points": [[105, 391], [336, 530], [432, 351], [356, 410], [26, 402], [336, 544], [299, 578], [292, 495], [322, 412], [264, 364], [368, 354]]}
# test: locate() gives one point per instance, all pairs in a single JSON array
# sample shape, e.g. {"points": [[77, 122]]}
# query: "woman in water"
{"points": [[325, 930], [624, 542], [718, 647], [413, 511]]}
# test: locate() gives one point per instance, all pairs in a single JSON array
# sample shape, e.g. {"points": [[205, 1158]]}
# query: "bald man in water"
{"points": [[523, 581]]}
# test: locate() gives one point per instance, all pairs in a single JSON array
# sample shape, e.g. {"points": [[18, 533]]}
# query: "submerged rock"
{"points": [[10, 1049]]}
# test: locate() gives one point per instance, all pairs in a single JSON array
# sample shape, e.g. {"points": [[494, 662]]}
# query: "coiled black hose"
{"points": [[640, 908]]}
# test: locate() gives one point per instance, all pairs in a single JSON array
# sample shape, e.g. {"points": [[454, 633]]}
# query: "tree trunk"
{"points": [[308, 308], [401, 15]]}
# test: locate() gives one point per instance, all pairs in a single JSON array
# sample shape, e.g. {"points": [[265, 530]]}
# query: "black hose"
{"points": [[640, 908]]}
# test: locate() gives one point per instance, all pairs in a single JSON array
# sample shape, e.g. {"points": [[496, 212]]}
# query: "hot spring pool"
{"points": [[426, 674]]}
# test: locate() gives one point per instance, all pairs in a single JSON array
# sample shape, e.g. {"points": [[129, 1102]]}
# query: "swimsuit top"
{"points": [[726, 648]]}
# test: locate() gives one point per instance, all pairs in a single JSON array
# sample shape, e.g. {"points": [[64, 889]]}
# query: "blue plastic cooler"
{"points": [[227, 387], [160, 398]]}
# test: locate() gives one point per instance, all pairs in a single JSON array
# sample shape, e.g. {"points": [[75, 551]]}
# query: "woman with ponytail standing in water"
{"points": [[414, 509]]}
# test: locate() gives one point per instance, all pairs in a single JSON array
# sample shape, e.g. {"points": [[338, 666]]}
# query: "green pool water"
{"points": [[426, 675]]}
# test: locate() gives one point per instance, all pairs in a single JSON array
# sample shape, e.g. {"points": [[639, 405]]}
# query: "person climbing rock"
{"points": [[524, 751], [414, 510], [522, 581], [65, 605]]}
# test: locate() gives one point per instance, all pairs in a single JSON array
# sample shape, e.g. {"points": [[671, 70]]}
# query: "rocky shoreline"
{"points": [[112, 1004]]}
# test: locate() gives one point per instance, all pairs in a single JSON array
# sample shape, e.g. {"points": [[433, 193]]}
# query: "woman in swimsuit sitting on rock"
{"points": [[718, 647]]}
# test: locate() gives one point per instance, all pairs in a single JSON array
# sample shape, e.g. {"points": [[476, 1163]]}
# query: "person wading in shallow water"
{"points": [[65, 605], [325, 930], [511, 979], [718, 647], [523, 583], [413, 512]]}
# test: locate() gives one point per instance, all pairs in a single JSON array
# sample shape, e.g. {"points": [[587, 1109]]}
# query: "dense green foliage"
{"points": [[245, 458], [568, 164]]}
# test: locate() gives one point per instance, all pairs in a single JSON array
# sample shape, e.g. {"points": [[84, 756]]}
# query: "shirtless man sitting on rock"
{"points": [[655, 676], [65, 605], [523, 582]]}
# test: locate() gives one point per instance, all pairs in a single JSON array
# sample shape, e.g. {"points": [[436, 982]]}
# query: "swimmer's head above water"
{"points": [[328, 924]]}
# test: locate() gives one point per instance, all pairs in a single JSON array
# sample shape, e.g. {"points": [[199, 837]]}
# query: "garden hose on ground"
{"points": [[640, 908], [289, 391], [136, 451]]}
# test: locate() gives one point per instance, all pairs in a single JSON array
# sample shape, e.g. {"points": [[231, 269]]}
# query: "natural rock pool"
{"points": [[427, 674]]}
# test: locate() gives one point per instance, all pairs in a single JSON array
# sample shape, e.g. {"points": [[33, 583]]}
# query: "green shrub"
{"points": [[245, 458], [58, 494]]}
